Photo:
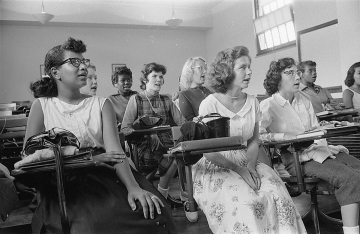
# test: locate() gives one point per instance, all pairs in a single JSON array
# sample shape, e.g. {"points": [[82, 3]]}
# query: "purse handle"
{"points": [[211, 115]]}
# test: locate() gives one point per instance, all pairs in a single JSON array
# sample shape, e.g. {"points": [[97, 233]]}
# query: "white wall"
{"points": [[233, 25], [23, 49]]}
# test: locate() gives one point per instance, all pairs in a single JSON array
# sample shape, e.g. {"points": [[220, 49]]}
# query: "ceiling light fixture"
{"points": [[173, 22], [43, 17]]}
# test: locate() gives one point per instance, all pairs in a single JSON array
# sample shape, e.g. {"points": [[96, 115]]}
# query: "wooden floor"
{"points": [[327, 203]]}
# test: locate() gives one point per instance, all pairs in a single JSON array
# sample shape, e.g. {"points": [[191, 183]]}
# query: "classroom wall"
{"points": [[232, 25], [23, 49]]}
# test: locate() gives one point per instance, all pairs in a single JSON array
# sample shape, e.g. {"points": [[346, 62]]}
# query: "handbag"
{"points": [[32, 174], [146, 122], [218, 127]]}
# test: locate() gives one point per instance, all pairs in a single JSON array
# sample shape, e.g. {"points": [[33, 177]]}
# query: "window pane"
{"points": [[283, 34], [276, 37], [288, 1], [269, 41], [280, 3], [290, 31], [273, 6], [266, 9], [262, 42]]}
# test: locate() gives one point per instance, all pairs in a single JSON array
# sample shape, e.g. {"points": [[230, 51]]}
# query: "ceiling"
{"points": [[196, 14]]}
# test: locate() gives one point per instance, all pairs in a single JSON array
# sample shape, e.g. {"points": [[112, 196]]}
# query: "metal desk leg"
{"points": [[192, 207], [299, 175]]}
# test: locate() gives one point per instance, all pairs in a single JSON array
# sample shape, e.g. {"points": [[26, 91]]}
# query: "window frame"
{"points": [[277, 47]]}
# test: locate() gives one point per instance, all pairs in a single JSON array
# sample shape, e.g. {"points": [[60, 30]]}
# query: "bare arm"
{"points": [[35, 123], [112, 144], [347, 98]]}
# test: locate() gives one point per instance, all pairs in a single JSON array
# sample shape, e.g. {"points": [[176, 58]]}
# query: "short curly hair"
{"points": [[273, 75], [187, 72], [302, 65], [148, 68], [221, 72], [349, 80], [46, 87], [118, 72]]}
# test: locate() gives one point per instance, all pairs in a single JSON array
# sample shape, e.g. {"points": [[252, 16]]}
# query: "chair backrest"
{"points": [[336, 92]]}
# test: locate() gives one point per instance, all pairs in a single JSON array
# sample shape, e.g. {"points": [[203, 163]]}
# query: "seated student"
{"points": [[91, 83], [319, 97], [284, 115], [237, 193], [192, 79], [351, 96], [122, 80], [97, 201], [151, 103]]}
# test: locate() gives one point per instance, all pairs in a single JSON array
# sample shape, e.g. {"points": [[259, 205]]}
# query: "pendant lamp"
{"points": [[173, 22], [43, 17]]}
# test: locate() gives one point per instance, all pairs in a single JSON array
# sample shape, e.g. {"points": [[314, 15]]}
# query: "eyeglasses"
{"points": [[292, 73], [201, 68], [76, 62]]}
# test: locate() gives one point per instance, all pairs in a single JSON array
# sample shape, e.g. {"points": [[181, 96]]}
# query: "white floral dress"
{"points": [[229, 203]]}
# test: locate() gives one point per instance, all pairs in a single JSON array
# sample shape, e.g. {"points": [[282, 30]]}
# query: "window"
{"points": [[274, 25]]}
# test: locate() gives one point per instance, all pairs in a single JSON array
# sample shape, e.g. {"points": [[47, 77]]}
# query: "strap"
{"points": [[60, 189]]}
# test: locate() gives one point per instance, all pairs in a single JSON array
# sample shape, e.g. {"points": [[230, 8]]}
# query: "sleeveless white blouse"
{"points": [[355, 99], [83, 120]]}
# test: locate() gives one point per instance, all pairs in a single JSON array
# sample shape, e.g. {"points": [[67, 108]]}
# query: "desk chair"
{"points": [[12, 133], [299, 184], [185, 182]]}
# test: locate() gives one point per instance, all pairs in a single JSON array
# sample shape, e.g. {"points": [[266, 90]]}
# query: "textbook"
{"points": [[322, 113], [206, 144], [311, 134]]}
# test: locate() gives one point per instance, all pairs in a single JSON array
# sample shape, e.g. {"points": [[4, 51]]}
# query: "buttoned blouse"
{"points": [[83, 120], [241, 123], [279, 116]]}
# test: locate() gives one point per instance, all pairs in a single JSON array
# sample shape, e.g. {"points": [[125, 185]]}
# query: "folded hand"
{"points": [[248, 177]]}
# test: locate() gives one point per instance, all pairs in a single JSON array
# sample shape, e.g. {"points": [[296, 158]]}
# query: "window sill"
{"points": [[276, 48]]}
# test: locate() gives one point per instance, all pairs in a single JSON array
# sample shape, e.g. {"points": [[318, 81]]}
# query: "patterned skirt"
{"points": [[232, 206]]}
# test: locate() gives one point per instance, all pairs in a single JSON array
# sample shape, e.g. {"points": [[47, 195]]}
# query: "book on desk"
{"points": [[334, 112], [206, 144], [333, 130]]}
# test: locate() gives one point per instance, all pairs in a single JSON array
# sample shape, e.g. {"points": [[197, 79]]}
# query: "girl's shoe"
{"points": [[191, 216]]}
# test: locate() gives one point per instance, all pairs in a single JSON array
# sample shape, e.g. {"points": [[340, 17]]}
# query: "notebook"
{"points": [[206, 144]]}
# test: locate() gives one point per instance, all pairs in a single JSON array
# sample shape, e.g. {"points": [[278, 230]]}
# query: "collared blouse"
{"points": [[279, 116]]}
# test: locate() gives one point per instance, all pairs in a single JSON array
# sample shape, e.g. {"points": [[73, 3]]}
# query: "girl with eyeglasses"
{"points": [[119, 201], [192, 93], [286, 114]]}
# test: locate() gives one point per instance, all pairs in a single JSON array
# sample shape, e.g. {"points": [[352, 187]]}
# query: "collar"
{"points": [[302, 87], [282, 101]]}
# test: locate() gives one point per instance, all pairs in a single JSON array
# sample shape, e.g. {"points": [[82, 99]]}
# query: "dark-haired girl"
{"points": [[97, 201], [351, 96], [284, 115], [151, 103]]}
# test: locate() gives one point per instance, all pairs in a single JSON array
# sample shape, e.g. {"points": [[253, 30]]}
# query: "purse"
{"points": [[146, 122], [218, 127]]}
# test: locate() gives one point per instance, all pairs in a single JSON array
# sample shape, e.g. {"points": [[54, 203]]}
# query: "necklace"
{"points": [[69, 109], [156, 110], [233, 97]]}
